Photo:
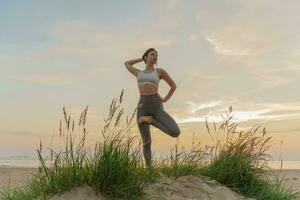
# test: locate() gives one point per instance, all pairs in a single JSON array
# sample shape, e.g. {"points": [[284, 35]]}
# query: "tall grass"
{"points": [[240, 160], [114, 167], [181, 162]]}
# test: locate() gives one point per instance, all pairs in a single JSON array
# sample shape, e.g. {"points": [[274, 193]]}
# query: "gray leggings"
{"points": [[151, 105]]}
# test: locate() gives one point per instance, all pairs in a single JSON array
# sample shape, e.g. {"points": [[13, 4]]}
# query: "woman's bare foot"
{"points": [[147, 119]]}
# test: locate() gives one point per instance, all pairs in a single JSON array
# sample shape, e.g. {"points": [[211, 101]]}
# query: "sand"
{"points": [[16, 176], [184, 188], [190, 187], [291, 178], [79, 193]]}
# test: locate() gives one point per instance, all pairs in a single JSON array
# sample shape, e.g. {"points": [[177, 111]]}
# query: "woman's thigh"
{"points": [[166, 123], [148, 106]]}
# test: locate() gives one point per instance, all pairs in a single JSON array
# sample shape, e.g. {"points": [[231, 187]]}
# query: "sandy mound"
{"points": [[183, 188], [190, 187], [79, 193]]}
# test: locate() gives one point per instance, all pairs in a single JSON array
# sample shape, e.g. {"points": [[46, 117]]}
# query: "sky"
{"points": [[238, 53]]}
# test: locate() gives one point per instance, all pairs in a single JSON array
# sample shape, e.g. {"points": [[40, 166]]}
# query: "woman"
{"points": [[150, 110]]}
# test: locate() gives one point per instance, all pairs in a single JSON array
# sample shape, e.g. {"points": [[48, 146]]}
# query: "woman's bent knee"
{"points": [[175, 132]]}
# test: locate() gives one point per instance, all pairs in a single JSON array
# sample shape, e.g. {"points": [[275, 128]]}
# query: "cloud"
{"points": [[82, 38], [21, 133], [158, 42], [238, 116], [254, 36], [63, 77], [206, 105], [226, 48], [243, 111], [44, 79], [294, 68], [78, 42], [198, 111], [271, 78], [193, 36]]}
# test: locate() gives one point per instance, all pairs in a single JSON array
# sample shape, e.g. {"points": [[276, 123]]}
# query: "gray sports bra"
{"points": [[148, 78]]}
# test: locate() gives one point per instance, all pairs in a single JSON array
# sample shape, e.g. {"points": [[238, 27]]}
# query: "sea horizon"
{"points": [[31, 162]]}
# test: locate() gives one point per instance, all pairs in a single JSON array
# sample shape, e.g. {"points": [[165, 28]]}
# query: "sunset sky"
{"points": [[244, 54]]}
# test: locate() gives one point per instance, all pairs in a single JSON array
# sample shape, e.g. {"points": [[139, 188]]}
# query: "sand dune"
{"points": [[79, 193], [190, 187], [183, 188]]}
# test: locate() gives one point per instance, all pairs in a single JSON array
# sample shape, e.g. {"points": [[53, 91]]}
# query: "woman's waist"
{"points": [[148, 95], [152, 98], [148, 91]]}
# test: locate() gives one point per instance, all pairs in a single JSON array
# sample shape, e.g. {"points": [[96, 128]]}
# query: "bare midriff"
{"points": [[147, 89]]}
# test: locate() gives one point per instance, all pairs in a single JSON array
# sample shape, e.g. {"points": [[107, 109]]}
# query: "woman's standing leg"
{"points": [[144, 129]]}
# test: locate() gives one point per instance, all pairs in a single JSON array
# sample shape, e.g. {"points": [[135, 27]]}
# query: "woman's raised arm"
{"points": [[132, 69]]}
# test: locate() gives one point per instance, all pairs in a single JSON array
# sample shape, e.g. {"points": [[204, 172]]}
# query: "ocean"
{"points": [[27, 161]]}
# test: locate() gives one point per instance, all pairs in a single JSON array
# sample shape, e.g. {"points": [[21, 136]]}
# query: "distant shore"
{"points": [[20, 175]]}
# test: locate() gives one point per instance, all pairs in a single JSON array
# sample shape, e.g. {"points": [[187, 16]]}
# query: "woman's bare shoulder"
{"points": [[160, 70], [163, 74]]}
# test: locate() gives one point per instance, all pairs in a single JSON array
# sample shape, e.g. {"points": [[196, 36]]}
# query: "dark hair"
{"points": [[147, 52]]}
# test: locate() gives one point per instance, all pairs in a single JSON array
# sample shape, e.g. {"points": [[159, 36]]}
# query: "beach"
{"points": [[291, 177], [15, 176], [18, 176]]}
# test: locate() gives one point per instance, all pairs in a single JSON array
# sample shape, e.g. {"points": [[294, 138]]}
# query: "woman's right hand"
{"points": [[134, 61]]}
